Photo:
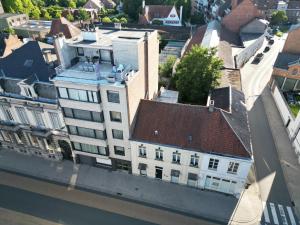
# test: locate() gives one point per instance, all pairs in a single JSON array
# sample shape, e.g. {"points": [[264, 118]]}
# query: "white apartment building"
{"points": [[203, 147], [102, 77], [31, 121]]}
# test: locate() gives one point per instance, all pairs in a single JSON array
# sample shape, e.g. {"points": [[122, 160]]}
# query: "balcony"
{"points": [[95, 72]]}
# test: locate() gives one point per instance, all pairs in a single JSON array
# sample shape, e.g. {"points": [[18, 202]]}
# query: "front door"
{"points": [[158, 172]]}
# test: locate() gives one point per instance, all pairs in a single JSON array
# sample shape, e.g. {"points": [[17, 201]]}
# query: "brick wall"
{"points": [[292, 43], [241, 15], [288, 73]]}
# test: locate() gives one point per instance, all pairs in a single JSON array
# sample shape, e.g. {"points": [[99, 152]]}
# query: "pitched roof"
{"points": [[196, 38], [283, 60], [266, 4], [62, 25], [189, 127], [93, 4], [157, 11], [25, 62], [221, 97]]}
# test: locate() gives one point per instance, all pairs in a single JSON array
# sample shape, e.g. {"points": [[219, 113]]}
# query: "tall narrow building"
{"points": [[102, 76]]}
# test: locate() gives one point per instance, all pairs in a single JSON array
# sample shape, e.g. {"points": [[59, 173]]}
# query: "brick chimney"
{"points": [[234, 3]]}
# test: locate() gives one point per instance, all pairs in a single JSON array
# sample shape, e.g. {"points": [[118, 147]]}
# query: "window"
{"points": [[115, 116], [78, 95], [86, 132], [113, 96], [119, 150], [176, 157], [63, 93], [117, 134], [83, 115], [55, 120], [175, 176], [143, 169], [80, 52], [22, 115], [233, 167], [159, 154], [142, 151], [100, 150], [38, 118], [295, 71], [213, 164], [192, 179], [7, 113], [194, 160], [27, 92]]}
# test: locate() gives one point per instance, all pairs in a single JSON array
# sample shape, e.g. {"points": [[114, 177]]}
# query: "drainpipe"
{"points": [[146, 66]]}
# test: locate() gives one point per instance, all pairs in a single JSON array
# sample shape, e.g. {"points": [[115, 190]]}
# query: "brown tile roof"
{"points": [[62, 25], [196, 38], [158, 11], [8, 43], [175, 123]]}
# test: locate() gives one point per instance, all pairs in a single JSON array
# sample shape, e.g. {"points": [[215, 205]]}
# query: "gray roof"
{"points": [[283, 59], [232, 102], [24, 62]]}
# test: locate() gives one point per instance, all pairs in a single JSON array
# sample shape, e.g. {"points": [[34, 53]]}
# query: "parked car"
{"points": [[258, 57], [271, 41], [267, 48]]}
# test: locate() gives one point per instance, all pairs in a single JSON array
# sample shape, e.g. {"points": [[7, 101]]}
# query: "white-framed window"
{"points": [[63, 93], [7, 113], [159, 154], [213, 164], [117, 134], [22, 115], [119, 150], [194, 160], [142, 151], [113, 96], [54, 117], [233, 167], [176, 157], [38, 117]]}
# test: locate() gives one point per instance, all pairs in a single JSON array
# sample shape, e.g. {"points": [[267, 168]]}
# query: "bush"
{"points": [[106, 20], [123, 20], [157, 22], [70, 17], [165, 70]]}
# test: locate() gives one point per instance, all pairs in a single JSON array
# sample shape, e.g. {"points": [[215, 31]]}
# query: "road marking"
{"points": [[266, 213], [282, 214], [290, 212], [273, 210]]}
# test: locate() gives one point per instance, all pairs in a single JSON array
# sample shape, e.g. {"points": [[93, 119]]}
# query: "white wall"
{"points": [[185, 168]]}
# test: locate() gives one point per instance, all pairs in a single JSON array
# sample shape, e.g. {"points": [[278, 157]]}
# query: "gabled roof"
{"points": [[157, 11], [25, 62], [62, 25], [93, 4], [8, 43], [192, 127]]}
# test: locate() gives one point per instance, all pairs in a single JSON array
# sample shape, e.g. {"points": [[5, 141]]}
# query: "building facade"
{"points": [[203, 147], [103, 75], [31, 121]]}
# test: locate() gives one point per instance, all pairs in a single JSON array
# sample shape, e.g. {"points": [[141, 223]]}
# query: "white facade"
{"points": [[218, 179]]}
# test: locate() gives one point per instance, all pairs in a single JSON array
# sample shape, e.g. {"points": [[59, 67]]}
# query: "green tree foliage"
{"points": [[13, 6], [35, 13], [82, 15], [70, 17], [115, 20], [72, 4], [157, 22], [54, 11], [132, 8], [106, 20], [123, 20], [165, 70], [197, 18], [278, 17], [197, 74], [46, 15], [80, 3], [9, 31]]}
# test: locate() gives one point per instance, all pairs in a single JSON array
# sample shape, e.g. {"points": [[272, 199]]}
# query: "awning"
{"points": [[175, 173], [192, 176], [142, 166]]}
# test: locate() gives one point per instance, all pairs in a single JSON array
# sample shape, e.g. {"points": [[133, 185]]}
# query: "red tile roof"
{"points": [[175, 124], [62, 25], [196, 38]]}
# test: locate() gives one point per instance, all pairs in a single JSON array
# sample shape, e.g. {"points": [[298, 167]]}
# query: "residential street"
{"points": [[275, 197]]}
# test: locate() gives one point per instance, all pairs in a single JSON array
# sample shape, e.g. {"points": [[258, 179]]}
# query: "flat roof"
{"points": [[7, 15], [35, 25]]}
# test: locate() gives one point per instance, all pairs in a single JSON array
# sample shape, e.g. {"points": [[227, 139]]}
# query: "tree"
{"points": [[47, 16], [28, 7], [70, 17], [123, 20], [82, 15], [13, 6], [35, 13], [165, 70], [9, 31], [278, 17], [72, 4], [132, 8], [80, 3], [197, 74], [157, 22], [106, 20], [197, 18], [115, 20]]}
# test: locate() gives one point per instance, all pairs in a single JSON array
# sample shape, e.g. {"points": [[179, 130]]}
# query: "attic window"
{"points": [[28, 62]]}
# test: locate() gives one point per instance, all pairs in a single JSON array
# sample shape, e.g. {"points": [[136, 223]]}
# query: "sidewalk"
{"points": [[286, 153], [195, 202]]}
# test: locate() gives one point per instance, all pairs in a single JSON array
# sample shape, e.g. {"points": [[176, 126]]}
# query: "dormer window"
{"points": [[27, 92], [295, 72]]}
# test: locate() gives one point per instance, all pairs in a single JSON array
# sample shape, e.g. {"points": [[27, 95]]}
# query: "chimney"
{"points": [[180, 17], [211, 106], [234, 4]]}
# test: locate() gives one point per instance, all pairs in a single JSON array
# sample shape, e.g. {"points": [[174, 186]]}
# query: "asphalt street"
{"points": [[275, 197]]}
